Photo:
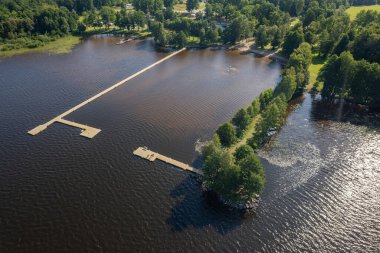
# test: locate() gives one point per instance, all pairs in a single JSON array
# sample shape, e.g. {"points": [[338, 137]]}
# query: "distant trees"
{"points": [[239, 28], [149, 6], [130, 19], [159, 33], [108, 15], [180, 40]]}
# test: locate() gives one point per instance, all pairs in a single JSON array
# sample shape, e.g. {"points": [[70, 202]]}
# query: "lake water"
{"points": [[60, 192]]}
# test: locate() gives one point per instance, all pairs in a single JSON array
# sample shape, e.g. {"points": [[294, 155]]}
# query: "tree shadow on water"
{"points": [[199, 210]]}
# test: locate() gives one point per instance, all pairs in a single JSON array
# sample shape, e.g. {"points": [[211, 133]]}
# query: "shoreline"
{"points": [[60, 46], [66, 44]]}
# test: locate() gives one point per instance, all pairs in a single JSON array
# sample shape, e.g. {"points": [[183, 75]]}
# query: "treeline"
{"points": [[268, 22], [33, 23], [352, 69], [25, 23], [24, 17], [240, 176], [355, 81]]}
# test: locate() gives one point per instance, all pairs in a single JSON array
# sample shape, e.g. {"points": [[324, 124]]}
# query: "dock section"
{"points": [[149, 155], [87, 131]]}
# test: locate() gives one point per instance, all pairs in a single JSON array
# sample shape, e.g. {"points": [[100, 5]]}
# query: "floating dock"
{"points": [[88, 131], [149, 155]]}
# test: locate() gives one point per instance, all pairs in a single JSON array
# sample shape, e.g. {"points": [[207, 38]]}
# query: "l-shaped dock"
{"points": [[88, 131], [149, 155]]}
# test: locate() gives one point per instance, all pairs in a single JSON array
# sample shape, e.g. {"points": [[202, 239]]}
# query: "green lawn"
{"points": [[315, 67], [59, 46], [180, 7], [247, 134], [354, 10], [294, 22]]}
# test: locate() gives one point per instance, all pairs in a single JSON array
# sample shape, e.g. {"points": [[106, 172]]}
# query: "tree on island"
{"points": [[254, 108], [241, 119], [234, 180], [227, 134], [264, 98], [242, 152]]}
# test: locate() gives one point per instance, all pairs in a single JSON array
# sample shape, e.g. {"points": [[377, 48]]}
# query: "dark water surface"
{"points": [[60, 192]]}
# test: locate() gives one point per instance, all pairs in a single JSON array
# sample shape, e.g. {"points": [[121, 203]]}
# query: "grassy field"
{"points": [[316, 65], [59, 46], [354, 10], [182, 7], [294, 22], [247, 134]]}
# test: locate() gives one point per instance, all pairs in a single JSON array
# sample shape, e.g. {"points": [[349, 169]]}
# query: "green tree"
{"points": [[159, 34], [252, 175], [254, 108], [192, 4], [108, 15], [238, 29], [227, 134], [271, 117], [241, 119], [242, 152], [293, 39], [300, 60], [367, 44], [364, 84], [262, 36], [180, 40], [335, 75], [264, 98], [288, 84], [222, 175]]}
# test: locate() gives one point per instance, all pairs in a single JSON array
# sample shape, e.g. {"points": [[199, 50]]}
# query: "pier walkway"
{"points": [[88, 131], [145, 153]]}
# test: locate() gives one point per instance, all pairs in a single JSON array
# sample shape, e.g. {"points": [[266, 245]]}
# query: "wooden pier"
{"points": [[149, 155], [88, 131]]}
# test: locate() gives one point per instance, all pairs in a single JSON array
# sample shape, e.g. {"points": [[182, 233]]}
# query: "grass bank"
{"points": [[59, 46], [66, 44], [314, 68], [354, 10], [248, 133]]}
